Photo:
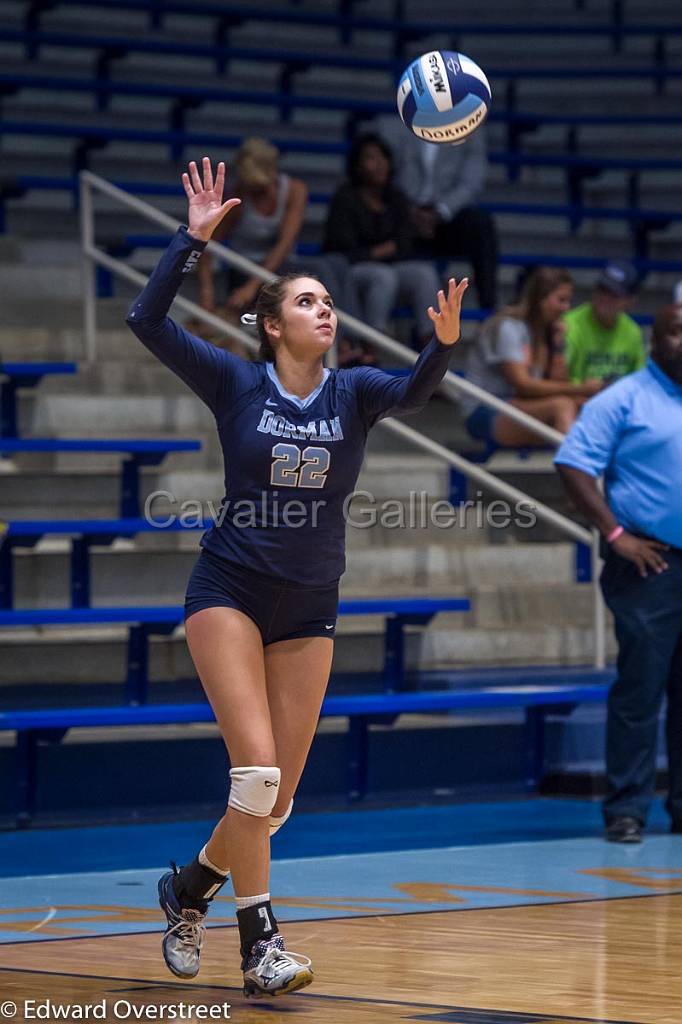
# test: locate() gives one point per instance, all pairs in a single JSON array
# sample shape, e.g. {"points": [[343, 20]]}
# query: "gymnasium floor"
{"points": [[507, 913]]}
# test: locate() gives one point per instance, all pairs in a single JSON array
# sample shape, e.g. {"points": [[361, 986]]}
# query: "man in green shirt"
{"points": [[602, 341]]}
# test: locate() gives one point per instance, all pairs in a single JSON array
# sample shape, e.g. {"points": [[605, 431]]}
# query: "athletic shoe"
{"points": [[184, 935], [624, 830], [270, 970]]}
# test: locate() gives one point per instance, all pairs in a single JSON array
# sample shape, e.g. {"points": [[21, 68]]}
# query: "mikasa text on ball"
{"points": [[443, 97]]}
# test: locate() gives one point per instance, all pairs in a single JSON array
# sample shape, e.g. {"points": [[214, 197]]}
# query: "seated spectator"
{"points": [[602, 341], [265, 229], [369, 222], [443, 184], [518, 356]]}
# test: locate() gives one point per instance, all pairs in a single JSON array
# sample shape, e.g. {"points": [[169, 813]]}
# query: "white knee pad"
{"points": [[254, 790], [276, 823]]}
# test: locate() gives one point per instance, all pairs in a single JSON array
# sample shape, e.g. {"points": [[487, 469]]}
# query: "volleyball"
{"points": [[443, 97]]}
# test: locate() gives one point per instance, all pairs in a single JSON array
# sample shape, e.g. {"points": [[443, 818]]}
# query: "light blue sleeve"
{"points": [[592, 440]]}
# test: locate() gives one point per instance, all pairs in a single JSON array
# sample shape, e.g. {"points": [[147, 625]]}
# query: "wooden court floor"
{"points": [[617, 960]]}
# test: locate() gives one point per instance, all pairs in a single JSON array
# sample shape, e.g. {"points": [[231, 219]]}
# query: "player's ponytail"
{"points": [[269, 307]]}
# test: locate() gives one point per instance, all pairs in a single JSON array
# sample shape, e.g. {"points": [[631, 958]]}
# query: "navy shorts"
{"points": [[282, 610], [481, 423]]}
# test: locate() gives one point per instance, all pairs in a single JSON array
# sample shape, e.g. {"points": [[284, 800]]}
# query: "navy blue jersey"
{"points": [[289, 463]]}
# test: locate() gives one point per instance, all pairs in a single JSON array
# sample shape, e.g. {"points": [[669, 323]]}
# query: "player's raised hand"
{"points": [[446, 321], [206, 206]]}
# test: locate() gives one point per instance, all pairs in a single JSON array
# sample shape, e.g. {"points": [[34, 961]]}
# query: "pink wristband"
{"points": [[615, 534]]}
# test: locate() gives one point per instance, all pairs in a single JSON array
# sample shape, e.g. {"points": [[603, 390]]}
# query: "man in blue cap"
{"points": [[602, 341], [631, 433]]}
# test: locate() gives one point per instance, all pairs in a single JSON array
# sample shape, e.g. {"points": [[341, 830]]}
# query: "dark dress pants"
{"points": [[470, 234], [648, 618]]}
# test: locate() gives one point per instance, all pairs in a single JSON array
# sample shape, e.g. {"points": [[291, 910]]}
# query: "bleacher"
{"points": [[309, 99], [132, 89]]}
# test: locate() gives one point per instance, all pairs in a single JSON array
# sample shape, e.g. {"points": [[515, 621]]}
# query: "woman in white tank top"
{"points": [[266, 228]]}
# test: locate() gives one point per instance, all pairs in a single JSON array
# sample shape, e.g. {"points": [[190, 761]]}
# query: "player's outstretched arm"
{"points": [[446, 322], [206, 206], [380, 394], [207, 369]]}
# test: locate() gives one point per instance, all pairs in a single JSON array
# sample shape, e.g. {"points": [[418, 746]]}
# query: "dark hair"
{"points": [[537, 285], [269, 307], [355, 153]]}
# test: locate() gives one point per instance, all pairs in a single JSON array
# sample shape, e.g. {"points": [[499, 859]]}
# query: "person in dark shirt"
{"points": [[262, 600], [369, 222]]}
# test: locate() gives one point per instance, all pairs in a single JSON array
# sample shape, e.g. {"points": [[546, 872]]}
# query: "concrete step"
{"points": [[58, 485], [41, 343], [61, 313], [35, 285], [528, 604], [390, 476], [146, 396], [529, 646], [145, 415], [88, 486], [237, 119], [84, 657], [115, 344], [136, 574], [109, 379], [440, 566], [29, 221], [36, 487]]}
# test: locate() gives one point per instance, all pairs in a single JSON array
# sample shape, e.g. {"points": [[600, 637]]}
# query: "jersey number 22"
{"points": [[292, 467]]}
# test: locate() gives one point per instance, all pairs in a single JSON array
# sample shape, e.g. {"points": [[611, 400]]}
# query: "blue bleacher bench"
{"points": [[184, 96], [82, 535], [532, 259], [115, 48], [22, 375], [140, 453], [577, 167], [112, 48], [163, 620], [178, 140], [346, 21], [536, 699], [187, 97]]}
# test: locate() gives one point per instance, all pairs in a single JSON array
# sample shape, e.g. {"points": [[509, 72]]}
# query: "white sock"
{"points": [[203, 859], [251, 901]]}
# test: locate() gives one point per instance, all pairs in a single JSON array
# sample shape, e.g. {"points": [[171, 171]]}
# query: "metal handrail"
{"points": [[452, 386]]}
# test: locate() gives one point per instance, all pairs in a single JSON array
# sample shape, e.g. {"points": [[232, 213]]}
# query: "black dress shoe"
{"points": [[676, 827], [624, 830]]}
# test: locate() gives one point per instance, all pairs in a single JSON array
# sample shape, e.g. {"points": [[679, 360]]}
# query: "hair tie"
{"points": [[249, 319]]}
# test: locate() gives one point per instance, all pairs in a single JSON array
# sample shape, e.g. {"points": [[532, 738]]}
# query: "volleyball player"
{"points": [[262, 599]]}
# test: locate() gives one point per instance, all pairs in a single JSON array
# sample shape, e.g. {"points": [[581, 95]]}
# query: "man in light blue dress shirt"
{"points": [[631, 433]]}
